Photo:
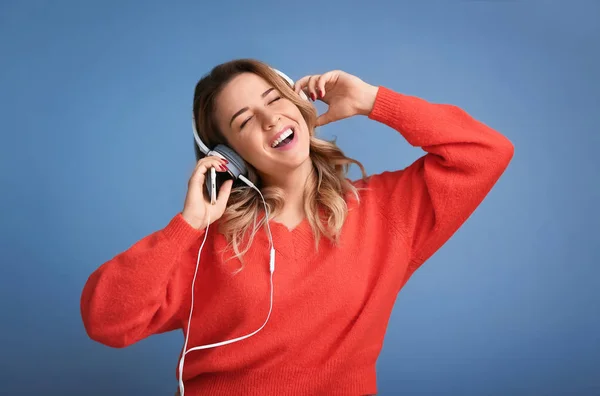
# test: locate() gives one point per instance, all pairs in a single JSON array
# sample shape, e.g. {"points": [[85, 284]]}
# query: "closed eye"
{"points": [[249, 118], [245, 122]]}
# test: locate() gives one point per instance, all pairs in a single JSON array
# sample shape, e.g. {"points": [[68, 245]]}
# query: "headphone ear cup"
{"points": [[236, 165]]}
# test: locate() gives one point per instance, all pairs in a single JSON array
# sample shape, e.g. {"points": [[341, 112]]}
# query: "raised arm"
{"points": [[429, 200]]}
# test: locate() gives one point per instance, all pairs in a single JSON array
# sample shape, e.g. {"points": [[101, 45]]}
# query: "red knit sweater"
{"points": [[331, 307]]}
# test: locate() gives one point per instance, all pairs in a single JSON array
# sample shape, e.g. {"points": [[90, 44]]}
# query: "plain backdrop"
{"points": [[96, 150]]}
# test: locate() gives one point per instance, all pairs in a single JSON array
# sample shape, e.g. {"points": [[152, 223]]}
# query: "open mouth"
{"points": [[286, 138]]}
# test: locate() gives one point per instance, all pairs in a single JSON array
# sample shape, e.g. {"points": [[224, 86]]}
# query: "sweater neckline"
{"points": [[294, 242]]}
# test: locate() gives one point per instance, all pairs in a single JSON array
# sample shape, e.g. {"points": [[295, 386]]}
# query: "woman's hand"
{"points": [[197, 208], [345, 94]]}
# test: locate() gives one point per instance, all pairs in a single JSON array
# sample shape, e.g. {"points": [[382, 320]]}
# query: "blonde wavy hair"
{"points": [[326, 189]]}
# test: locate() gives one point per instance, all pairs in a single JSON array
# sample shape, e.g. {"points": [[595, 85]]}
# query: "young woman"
{"points": [[343, 249]]}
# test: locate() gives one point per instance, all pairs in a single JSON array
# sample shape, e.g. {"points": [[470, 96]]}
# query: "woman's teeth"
{"points": [[288, 132]]}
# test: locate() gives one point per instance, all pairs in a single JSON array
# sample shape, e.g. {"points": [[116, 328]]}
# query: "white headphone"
{"points": [[236, 167], [241, 168]]}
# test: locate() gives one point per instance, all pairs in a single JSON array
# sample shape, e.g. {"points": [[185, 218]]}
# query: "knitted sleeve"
{"points": [[138, 292], [430, 199]]}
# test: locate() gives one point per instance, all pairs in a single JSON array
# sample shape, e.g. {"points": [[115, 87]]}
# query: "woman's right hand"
{"points": [[197, 207]]}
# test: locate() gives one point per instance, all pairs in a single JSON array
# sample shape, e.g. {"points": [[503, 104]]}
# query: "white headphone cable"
{"points": [[271, 270]]}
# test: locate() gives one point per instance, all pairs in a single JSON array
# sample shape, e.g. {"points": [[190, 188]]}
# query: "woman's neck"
{"points": [[293, 186]]}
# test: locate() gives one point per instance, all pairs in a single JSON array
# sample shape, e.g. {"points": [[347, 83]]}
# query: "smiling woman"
{"points": [[248, 106], [344, 248], [254, 129]]}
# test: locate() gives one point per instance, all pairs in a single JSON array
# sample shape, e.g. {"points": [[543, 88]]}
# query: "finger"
{"points": [[223, 195], [210, 162], [301, 83], [211, 158], [202, 167], [321, 84], [306, 84], [311, 87], [324, 119]]}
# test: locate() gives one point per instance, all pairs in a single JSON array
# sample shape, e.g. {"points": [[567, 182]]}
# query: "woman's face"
{"points": [[262, 126]]}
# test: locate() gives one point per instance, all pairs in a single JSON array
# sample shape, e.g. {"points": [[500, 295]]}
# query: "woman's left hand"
{"points": [[345, 94]]}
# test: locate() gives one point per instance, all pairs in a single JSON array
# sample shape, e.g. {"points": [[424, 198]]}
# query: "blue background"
{"points": [[96, 151]]}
